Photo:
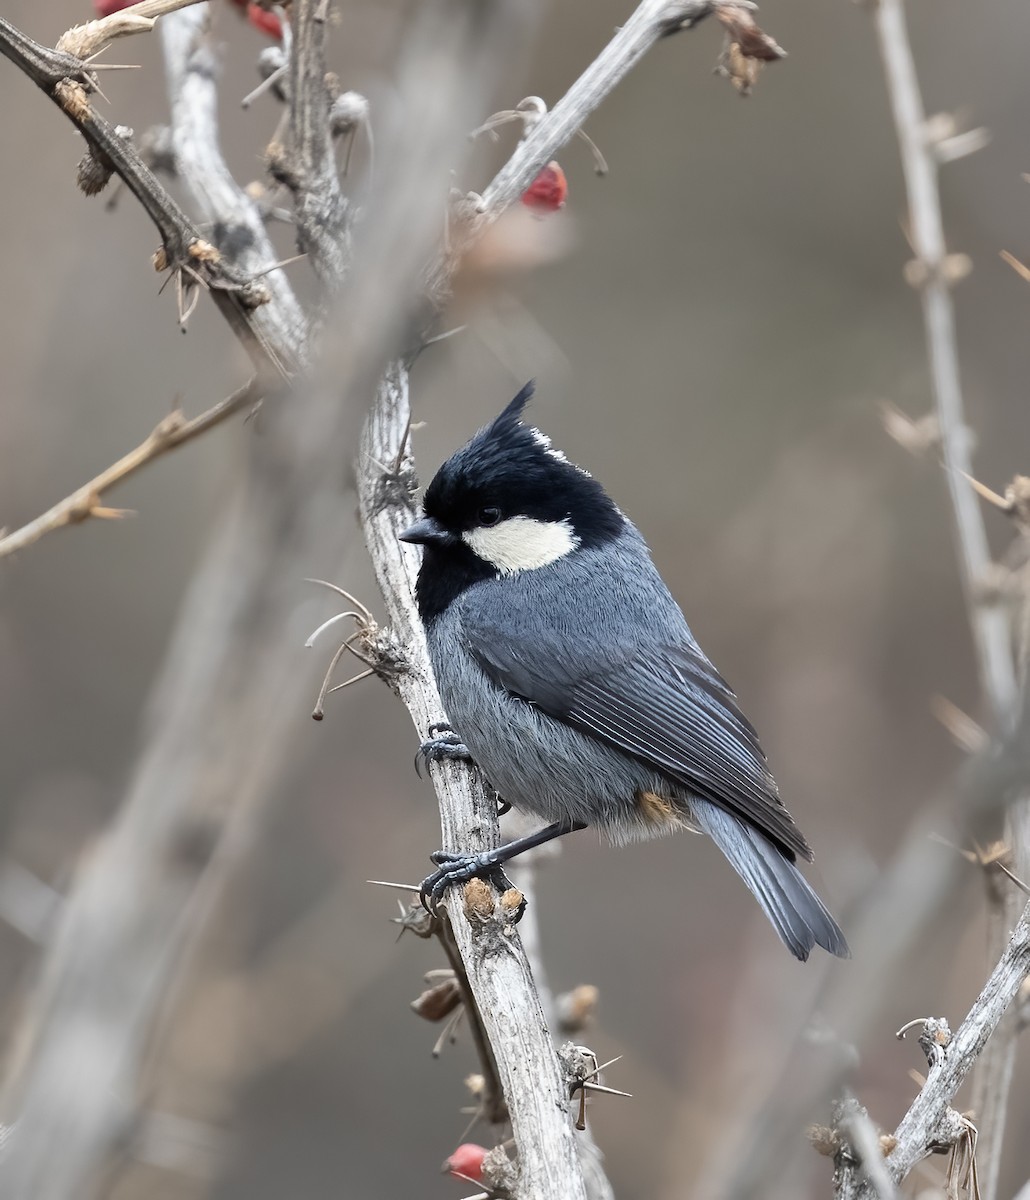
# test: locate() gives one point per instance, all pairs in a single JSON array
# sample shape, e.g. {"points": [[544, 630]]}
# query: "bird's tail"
{"points": [[796, 912]]}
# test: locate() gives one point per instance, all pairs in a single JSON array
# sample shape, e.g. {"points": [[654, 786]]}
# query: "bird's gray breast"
{"points": [[536, 762]]}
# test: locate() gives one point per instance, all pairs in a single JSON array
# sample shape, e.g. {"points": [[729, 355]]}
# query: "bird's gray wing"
{"points": [[660, 701]]}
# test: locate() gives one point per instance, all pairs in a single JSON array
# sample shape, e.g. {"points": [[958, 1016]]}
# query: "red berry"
{"points": [[260, 17], [467, 1162], [548, 191], [104, 8], [264, 20]]}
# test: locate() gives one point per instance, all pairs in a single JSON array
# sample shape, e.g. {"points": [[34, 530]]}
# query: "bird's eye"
{"points": [[489, 515]]}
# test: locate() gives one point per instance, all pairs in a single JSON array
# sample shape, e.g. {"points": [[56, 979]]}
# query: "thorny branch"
{"points": [[87, 501], [482, 927], [934, 274], [87, 40], [928, 1122], [990, 628], [896, 912], [69, 82]]}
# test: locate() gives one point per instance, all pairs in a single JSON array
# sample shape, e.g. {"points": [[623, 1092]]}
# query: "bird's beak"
{"points": [[427, 532]]}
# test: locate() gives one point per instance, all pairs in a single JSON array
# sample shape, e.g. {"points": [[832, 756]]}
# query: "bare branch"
{"points": [[238, 230], [497, 969], [87, 40], [322, 211], [921, 158], [68, 83], [923, 1125], [895, 913], [651, 21], [174, 431], [920, 166]]}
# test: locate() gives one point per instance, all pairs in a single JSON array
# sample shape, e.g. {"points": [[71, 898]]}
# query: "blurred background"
{"points": [[714, 343]]}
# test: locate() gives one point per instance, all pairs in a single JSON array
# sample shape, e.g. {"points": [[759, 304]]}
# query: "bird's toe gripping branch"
{"points": [[460, 868], [442, 743]]}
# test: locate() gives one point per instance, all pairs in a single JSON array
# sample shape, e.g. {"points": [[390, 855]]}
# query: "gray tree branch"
{"points": [[321, 209], [926, 230], [992, 635], [927, 1122], [236, 226]]}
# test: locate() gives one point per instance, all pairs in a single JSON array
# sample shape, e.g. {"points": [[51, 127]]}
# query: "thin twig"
{"points": [[174, 431], [87, 40], [650, 22], [926, 229]]}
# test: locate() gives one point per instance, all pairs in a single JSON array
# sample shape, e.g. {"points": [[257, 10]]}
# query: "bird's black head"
{"points": [[505, 502]]}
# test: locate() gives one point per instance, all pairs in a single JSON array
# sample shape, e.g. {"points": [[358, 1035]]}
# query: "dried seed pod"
{"points": [[438, 1001]]}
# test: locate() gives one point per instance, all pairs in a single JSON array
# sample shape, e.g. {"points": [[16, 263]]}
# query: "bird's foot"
{"points": [[460, 868], [442, 743]]}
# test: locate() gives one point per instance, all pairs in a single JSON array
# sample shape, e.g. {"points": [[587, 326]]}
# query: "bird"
{"points": [[571, 679]]}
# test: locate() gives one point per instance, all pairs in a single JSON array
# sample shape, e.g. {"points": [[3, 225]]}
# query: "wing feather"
{"points": [[667, 707]]}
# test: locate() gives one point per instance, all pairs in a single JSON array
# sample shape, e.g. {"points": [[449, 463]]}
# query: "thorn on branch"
{"points": [[379, 651], [947, 142], [582, 1074], [273, 67], [1015, 503], [951, 269], [934, 1038], [914, 435], [966, 733]]}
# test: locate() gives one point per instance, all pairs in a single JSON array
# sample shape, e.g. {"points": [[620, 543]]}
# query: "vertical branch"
{"points": [[989, 623], [322, 211], [495, 963], [237, 228]]}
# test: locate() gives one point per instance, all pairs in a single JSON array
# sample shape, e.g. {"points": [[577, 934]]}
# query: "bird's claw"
{"points": [[460, 868], [442, 743]]}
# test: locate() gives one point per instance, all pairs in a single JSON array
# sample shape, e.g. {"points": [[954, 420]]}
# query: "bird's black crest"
{"points": [[511, 466], [508, 466]]}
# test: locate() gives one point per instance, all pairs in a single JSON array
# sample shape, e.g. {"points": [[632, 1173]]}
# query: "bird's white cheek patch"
{"points": [[522, 543]]}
